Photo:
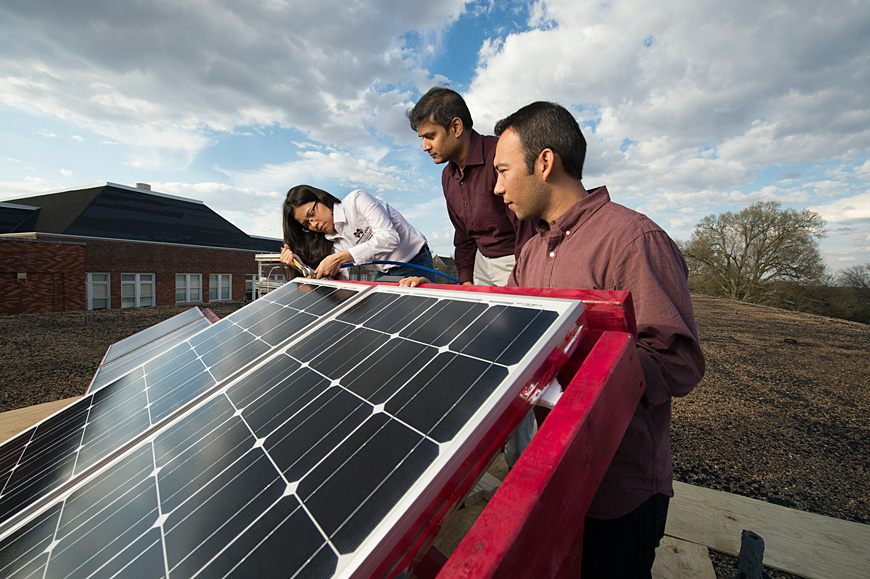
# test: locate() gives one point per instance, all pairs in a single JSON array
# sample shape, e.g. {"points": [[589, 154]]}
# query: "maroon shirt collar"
{"points": [[475, 154], [577, 214]]}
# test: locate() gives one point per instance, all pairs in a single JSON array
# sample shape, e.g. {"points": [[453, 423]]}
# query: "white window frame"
{"points": [[137, 282], [224, 285], [186, 289], [250, 286], [90, 283]]}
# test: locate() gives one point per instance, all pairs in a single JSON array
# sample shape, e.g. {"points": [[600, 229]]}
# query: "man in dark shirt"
{"points": [[587, 241], [486, 235]]}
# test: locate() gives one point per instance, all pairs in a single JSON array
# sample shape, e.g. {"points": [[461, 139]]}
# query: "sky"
{"points": [[690, 107]]}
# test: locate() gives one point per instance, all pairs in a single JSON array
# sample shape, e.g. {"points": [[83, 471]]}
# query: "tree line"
{"points": [[768, 255]]}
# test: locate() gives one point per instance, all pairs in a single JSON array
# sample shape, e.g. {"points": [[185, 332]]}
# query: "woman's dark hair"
{"points": [[311, 247]]}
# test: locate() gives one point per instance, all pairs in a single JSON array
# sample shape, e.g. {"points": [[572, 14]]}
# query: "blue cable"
{"points": [[420, 267]]}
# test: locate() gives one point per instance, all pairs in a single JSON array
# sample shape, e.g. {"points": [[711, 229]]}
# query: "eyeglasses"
{"points": [[308, 217]]}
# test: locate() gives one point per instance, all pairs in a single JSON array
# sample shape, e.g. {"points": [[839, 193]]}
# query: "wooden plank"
{"points": [[474, 497], [14, 421], [675, 558], [483, 489], [678, 559], [490, 484], [805, 544]]}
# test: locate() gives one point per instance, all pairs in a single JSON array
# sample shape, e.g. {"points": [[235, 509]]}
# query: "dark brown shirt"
{"points": [[598, 244], [481, 219]]}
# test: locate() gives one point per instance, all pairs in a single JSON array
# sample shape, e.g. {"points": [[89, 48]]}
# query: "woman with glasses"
{"points": [[323, 232]]}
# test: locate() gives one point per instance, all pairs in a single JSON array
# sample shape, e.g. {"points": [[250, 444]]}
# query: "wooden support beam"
{"points": [[483, 489], [15, 421], [805, 544], [677, 559]]}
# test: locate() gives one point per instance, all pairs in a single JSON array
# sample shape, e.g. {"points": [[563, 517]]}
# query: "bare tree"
{"points": [[856, 281], [857, 276], [740, 254]]}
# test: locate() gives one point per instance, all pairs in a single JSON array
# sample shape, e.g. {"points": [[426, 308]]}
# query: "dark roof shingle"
{"points": [[119, 212]]}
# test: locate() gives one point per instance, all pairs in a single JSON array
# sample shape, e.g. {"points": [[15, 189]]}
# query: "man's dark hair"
{"points": [[440, 105], [544, 125]]}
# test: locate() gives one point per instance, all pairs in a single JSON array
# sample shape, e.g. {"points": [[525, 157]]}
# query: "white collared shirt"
{"points": [[372, 230]]}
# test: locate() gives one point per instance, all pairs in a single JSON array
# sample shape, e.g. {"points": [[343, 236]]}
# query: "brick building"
{"points": [[113, 246]]}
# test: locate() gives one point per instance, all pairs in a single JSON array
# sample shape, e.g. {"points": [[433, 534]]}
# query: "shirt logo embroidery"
{"points": [[362, 235]]}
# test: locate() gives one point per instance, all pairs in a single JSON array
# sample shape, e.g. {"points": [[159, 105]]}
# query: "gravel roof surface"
{"points": [[782, 415]]}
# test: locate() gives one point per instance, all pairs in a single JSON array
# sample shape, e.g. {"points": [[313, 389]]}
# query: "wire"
{"points": [[420, 267]]}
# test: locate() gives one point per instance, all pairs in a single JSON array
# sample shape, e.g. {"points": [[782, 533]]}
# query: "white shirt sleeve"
{"points": [[364, 211]]}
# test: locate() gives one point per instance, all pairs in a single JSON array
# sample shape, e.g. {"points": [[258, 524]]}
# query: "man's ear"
{"points": [[545, 163], [456, 127]]}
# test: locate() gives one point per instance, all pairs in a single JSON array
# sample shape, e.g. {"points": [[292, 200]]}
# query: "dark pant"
{"points": [[624, 548], [423, 258]]}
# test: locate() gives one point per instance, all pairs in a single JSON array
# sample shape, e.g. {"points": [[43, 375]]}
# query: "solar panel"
{"points": [[135, 350], [312, 461], [63, 447], [142, 338]]}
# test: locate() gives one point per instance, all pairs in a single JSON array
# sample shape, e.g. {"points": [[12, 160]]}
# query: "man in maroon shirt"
{"points": [[487, 235], [587, 241]]}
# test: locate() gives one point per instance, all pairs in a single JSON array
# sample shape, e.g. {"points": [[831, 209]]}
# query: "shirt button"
{"points": [[567, 233], [552, 254]]}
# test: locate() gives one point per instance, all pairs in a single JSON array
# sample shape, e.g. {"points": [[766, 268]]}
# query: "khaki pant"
{"points": [[492, 270]]}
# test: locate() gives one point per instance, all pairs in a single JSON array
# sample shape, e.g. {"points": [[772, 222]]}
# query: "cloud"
{"points": [[167, 76], [846, 210], [253, 211], [361, 167], [693, 103], [425, 209], [682, 76], [26, 187], [690, 108]]}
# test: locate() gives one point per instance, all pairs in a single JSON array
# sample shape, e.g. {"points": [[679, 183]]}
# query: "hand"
{"points": [[467, 283], [413, 281], [331, 264], [287, 255]]}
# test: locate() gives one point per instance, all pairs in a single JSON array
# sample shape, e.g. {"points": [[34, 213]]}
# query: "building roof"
{"points": [[448, 261], [14, 217], [132, 213]]}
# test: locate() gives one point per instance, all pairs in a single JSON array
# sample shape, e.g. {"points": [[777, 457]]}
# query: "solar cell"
{"points": [[139, 339], [127, 354], [306, 463], [64, 446]]}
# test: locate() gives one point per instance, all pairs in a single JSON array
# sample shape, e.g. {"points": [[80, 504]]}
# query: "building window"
{"points": [[137, 290], [219, 287], [188, 287], [98, 291], [250, 280]]}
